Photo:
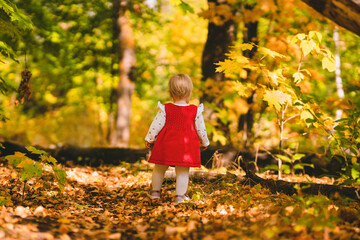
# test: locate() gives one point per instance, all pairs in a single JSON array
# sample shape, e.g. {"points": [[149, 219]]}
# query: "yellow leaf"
{"points": [[243, 89], [298, 76], [277, 98], [301, 36], [328, 63], [307, 46], [25, 162], [246, 46], [273, 77], [268, 52], [306, 115], [219, 137], [317, 34]]}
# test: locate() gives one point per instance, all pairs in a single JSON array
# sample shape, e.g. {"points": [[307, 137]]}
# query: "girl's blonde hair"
{"points": [[180, 86]]}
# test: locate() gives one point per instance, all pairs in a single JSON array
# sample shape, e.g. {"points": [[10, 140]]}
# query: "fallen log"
{"points": [[213, 157], [291, 188]]}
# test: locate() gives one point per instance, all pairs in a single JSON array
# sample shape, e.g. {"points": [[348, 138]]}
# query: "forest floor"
{"points": [[111, 203]]}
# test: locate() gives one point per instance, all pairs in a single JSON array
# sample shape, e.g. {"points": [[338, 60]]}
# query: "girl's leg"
{"points": [[182, 179], [158, 176]]}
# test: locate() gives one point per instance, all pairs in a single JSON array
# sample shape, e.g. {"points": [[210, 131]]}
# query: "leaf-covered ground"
{"points": [[111, 203]]}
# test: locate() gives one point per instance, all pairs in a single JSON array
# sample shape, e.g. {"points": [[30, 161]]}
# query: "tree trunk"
{"points": [[338, 80], [345, 13], [127, 58], [219, 40]]}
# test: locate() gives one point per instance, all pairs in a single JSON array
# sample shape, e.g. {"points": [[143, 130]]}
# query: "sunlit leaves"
{"points": [[311, 44], [298, 77], [307, 46], [19, 20], [218, 137], [234, 65], [277, 98], [307, 117], [5, 50], [218, 14], [244, 89], [328, 63], [268, 52]]}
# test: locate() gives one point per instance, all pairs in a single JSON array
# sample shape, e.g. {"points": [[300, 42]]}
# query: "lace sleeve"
{"points": [[200, 126], [157, 124]]}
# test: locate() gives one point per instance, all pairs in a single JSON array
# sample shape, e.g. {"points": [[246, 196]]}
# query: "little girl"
{"points": [[177, 129]]}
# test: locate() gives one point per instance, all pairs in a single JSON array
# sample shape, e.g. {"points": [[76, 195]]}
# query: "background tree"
{"points": [[13, 25], [126, 83]]}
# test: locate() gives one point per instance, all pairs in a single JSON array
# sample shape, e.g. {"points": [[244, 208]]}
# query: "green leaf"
{"points": [[52, 160], [185, 7], [298, 156], [36, 151], [271, 167], [16, 17], [354, 151], [340, 128], [60, 176], [283, 158], [354, 173], [6, 51], [16, 159], [348, 181], [30, 169], [298, 166], [286, 169]]}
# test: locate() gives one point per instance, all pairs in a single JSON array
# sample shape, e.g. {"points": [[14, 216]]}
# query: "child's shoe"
{"points": [[154, 194], [181, 198]]}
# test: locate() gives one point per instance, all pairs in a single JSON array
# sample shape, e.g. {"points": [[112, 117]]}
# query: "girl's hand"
{"points": [[203, 148], [149, 145]]}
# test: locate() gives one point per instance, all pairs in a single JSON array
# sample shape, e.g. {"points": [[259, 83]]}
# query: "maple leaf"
{"points": [[30, 169], [15, 159], [298, 77], [276, 98], [243, 89], [268, 52], [36, 151]]}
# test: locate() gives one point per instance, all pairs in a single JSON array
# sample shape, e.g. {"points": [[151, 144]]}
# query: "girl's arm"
{"points": [[200, 127], [157, 124]]}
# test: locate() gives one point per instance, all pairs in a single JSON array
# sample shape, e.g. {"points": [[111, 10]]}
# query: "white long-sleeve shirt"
{"points": [[160, 119]]}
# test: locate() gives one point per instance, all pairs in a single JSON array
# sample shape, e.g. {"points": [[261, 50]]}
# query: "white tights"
{"points": [[182, 178]]}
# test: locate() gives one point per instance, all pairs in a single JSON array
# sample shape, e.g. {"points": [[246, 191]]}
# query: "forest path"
{"points": [[111, 203]]}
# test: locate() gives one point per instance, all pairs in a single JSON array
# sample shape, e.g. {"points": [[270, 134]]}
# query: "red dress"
{"points": [[177, 143]]}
